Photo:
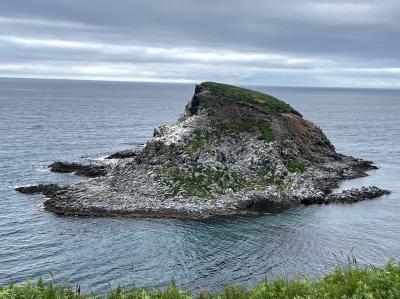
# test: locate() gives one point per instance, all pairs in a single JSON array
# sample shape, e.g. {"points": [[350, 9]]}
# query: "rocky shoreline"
{"points": [[231, 150]]}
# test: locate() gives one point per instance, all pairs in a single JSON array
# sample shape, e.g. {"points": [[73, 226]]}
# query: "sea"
{"points": [[46, 120]]}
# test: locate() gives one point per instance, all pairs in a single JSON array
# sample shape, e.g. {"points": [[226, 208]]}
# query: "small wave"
{"points": [[42, 169]]}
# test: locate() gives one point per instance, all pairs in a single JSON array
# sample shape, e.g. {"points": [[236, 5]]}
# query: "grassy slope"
{"points": [[200, 181], [256, 99], [352, 283]]}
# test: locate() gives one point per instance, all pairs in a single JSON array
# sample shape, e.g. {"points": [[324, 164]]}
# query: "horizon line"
{"points": [[187, 82]]}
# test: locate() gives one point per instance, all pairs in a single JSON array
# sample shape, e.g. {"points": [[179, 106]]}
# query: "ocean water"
{"points": [[45, 120]]}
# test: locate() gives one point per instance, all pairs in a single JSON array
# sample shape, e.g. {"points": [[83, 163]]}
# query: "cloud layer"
{"points": [[301, 43]]}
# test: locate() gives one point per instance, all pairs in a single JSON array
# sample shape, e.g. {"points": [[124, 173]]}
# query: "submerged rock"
{"points": [[231, 150]]}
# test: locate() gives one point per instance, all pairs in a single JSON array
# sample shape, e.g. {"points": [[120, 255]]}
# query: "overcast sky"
{"points": [[293, 43]]}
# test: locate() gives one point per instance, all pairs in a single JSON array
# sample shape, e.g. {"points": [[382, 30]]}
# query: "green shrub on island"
{"points": [[295, 167], [370, 282]]}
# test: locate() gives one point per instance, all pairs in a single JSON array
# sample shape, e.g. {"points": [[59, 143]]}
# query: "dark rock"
{"points": [[46, 189], [123, 154], [90, 170]]}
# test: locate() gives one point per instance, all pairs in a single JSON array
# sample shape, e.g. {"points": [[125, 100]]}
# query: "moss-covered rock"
{"points": [[253, 98]]}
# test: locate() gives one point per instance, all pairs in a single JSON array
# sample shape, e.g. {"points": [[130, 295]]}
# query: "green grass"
{"points": [[265, 131], [254, 98], [201, 181], [197, 180], [295, 167], [249, 123], [200, 138], [365, 283]]}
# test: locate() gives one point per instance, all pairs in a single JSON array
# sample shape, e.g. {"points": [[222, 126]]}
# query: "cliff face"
{"points": [[233, 139], [231, 149]]}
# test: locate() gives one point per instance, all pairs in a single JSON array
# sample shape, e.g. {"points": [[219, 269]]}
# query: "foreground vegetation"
{"points": [[351, 283]]}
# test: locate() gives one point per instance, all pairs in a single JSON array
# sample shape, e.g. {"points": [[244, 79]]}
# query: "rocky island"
{"points": [[232, 149]]}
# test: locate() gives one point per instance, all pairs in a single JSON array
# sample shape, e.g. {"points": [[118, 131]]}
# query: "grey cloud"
{"points": [[318, 39]]}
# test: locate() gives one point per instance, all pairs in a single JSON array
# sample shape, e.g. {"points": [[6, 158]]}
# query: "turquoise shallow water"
{"points": [[43, 120]]}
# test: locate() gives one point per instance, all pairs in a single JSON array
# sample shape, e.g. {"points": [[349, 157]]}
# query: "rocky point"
{"points": [[231, 149]]}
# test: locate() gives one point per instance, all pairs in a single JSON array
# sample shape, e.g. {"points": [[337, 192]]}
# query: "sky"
{"points": [[253, 42]]}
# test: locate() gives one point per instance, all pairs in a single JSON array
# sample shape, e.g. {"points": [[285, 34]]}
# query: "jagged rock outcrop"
{"points": [[124, 154], [231, 149], [45, 189], [91, 170]]}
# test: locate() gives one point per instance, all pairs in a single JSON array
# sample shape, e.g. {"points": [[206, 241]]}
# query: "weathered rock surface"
{"points": [[91, 170], [46, 189], [124, 154], [354, 195], [231, 150]]}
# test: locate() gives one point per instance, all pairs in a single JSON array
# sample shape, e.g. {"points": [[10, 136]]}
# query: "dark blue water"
{"points": [[43, 120]]}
